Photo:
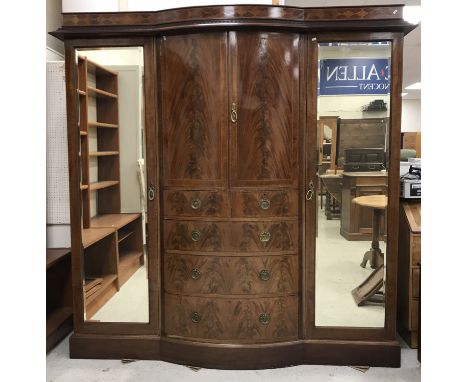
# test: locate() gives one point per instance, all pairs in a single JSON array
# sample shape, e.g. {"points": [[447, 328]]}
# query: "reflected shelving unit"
{"points": [[112, 241]]}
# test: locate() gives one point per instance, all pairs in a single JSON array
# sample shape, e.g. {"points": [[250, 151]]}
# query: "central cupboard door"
{"points": [[229, 180]]}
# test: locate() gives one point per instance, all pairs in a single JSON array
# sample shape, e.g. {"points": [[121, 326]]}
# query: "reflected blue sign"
{"points": [[354, 76]]}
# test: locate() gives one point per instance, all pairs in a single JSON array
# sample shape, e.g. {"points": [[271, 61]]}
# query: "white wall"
{"points": [[54, 47], [411, 115]]}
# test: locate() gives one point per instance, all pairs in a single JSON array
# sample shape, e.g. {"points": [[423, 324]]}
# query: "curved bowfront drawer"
{"points": [[196, 203], [241, 320], [264, 203], [259, 236], [264, 236], [230, 275]]}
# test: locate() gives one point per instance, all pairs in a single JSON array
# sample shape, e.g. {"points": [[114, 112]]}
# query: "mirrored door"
{"points": [[113, 177], [354, 87]]}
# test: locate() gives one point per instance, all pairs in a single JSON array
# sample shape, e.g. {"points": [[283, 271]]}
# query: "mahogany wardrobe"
{"points": [[228, 237]]}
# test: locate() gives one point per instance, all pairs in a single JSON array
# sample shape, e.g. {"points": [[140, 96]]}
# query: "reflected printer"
{"points": [[410, 182]]}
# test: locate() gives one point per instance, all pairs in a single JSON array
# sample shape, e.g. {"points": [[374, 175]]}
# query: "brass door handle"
{"points": [[310, 191], [264, 203], [195, 203], [151, 193], [233, 112]]}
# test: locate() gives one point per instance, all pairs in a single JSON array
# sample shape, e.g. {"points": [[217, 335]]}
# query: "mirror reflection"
{"points": [[111, 128], [352, 136]]}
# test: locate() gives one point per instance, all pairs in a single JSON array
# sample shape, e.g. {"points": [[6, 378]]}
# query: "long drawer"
{"points": [[210, 236], [199, 274], [264, 203], [242, 320], [196, 203]]}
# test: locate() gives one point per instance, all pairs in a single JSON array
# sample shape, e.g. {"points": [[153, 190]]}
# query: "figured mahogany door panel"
{"points": [[265, 236], [264, 203], [238, 320], [198, 274], [264, 108], [194, 105], [179, 203], [206, 236]]}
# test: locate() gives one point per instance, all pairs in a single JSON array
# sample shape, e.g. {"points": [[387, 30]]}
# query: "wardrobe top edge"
{"points": [[345, 18]]}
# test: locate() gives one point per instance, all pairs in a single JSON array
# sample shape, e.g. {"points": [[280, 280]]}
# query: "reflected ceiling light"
{"points": [[415, 86], [412, 14], [403, 94]]}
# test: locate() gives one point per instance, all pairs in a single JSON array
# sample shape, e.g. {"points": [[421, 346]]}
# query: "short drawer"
{"points": [[211, 236], [239, 320], [196, 236], [230, 274], [415, 249], [264, 203], [196, 203], [264, 236], [415, 274]]}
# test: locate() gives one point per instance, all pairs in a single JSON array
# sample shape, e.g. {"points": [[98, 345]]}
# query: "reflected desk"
{"points": [[356, 221], [378, 203]]}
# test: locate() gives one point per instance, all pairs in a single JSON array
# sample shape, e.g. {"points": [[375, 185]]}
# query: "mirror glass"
{"points": [[111, 129], [352, 135]]}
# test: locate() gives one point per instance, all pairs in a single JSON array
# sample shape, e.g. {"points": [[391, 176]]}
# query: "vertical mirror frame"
{"points": [[388, 331], [149, 98]]}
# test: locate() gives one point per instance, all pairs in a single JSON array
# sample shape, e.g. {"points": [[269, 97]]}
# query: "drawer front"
{"points": [[234, 237], [230, 275], [264, 203], [196, 236], [415, 281], [264, 236], [415, 249], [196, 203], [243, 320]]}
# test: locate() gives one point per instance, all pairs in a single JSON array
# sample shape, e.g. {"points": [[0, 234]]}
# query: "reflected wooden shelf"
{"points": [[81, 92], [113, 220], [95, 68], [102, 184], [102, 125], [106, 281], [124, 236], [98, 93], [102, 153], [93, 235]]}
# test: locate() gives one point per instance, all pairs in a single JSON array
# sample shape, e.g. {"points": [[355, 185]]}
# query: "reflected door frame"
{"points": [[81, 326], [388, 331], [327, 121]]}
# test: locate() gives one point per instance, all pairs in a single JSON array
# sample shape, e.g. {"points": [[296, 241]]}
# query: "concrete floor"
{"points": [[60, 368]]}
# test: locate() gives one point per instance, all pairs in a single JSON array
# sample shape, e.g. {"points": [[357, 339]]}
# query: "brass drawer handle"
{"points": [[196, 273], [264, 275], [265, 236], [195, 203], [196, 235], [264, 203], [196, 317], [264, 318]]}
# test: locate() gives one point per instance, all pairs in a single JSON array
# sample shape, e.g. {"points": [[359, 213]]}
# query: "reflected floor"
{"points": [[130, 304], [338, 273]]}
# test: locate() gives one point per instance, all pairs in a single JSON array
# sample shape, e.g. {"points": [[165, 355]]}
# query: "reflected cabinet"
{"points": [[196, 150]]}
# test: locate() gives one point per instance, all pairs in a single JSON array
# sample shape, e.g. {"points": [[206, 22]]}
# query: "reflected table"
{"points": [[379, 203]]}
